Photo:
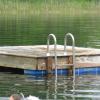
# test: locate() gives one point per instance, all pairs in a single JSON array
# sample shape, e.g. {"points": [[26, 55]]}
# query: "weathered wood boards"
{"points": [[34, 57]]}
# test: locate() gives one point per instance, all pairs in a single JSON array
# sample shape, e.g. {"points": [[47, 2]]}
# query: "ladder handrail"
{"points": [[65, 43], [48, 43], [55, 49], [73, 54]]}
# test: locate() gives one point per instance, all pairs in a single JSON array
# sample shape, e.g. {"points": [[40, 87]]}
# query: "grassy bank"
{"points": [[26, 8]]}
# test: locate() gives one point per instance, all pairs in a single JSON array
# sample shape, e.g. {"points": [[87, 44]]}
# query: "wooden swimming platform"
{"points": [[35, 58]]}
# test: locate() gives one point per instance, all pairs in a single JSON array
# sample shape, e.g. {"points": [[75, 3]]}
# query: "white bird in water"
{"points": [[32, 98]]}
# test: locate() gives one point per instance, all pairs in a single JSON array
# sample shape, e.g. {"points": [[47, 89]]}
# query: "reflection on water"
{"points": [[46, 88]]}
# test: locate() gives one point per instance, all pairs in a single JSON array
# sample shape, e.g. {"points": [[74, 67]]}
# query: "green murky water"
{"points": [[29, 22], [46, 88]]}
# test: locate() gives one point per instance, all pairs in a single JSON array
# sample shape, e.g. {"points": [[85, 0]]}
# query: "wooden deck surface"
{"points": [[40, 50]]}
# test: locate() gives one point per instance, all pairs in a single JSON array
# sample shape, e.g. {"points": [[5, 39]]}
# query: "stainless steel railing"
{"points": [[55, 47], [73, 54]]}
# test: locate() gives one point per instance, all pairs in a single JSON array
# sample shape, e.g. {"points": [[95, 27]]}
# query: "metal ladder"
{"points": [[65, 54], [65, 51]]}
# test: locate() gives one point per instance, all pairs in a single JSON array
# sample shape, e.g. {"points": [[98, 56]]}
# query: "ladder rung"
{"points": [[65, 64]]}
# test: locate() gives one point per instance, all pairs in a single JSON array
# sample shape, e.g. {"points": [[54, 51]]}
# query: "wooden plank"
{"points": [[17, 62]]}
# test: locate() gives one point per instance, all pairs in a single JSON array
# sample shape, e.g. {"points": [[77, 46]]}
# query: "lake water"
{"points": [[30, 22], [45, 87]]}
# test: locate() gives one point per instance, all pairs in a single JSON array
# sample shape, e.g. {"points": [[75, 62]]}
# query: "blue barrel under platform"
{"points": [[78, 71]]}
